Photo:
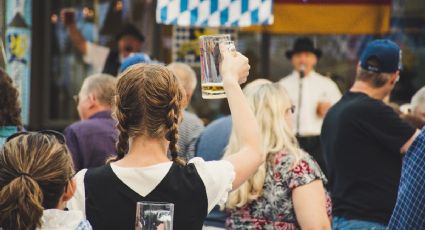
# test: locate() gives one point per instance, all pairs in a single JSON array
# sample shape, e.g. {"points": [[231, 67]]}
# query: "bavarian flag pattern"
{"points": [[214, 13]]}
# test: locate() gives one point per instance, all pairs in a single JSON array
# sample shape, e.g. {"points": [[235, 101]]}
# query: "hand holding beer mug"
{"points": [[234, 66], [211, 57]]}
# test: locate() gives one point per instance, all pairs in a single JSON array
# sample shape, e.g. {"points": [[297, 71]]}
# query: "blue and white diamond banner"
{"points": [[214, 13]]}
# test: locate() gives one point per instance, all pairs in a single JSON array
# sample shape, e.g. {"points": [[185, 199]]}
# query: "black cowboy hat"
{"points": [[129, 29], [303, 45]]}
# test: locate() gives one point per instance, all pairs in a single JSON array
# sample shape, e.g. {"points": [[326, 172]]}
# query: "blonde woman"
{"points": [[287, 191]]}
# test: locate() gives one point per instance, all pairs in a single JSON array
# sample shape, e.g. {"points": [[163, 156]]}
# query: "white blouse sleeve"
{"points": [[218, 177], [78, 201], [96, 56]]}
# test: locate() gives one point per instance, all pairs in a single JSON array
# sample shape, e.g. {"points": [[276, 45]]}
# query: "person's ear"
{"points": [[358, 67], [185, 99], [315, 59], [394, 78], [69, 190], [92, 99], [188, 98]]}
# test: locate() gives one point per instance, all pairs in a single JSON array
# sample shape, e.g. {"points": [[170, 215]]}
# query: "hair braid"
{"points": [[172, 135], [122, 143]]}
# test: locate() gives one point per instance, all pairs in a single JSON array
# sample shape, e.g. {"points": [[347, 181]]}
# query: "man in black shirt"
{"points": [[363, 140]]}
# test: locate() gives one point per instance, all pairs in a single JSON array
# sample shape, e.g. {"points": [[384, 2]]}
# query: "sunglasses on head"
{"points": [[59, 136]]}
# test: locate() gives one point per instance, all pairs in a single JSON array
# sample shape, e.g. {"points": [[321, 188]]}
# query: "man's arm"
{"points": [[93, 54], [75, 35], [333, 96], [409, 142], [387, 127], [77, 38]]}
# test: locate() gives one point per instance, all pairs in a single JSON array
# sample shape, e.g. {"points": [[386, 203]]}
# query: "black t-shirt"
{"points": [[361, 141]]}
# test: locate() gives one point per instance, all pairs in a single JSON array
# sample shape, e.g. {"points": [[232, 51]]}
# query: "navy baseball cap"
{"points": [[386, 55]]}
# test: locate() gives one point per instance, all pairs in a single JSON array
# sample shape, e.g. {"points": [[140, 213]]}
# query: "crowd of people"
{"points": [[294, 154]]}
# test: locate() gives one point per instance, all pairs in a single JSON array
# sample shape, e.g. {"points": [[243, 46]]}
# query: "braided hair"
{"points": [[172, 134], [148, 102]]}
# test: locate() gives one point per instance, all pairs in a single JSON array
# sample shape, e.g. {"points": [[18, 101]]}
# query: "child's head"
{"points": [[35, 174], [148, 103]]}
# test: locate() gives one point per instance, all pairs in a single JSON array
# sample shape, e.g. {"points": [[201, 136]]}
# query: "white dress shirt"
{"points": [[96, 56], [316, 88]]}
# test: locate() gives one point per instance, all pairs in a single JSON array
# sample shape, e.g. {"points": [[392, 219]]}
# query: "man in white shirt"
{"points": [[103, 59], [312, 96]]}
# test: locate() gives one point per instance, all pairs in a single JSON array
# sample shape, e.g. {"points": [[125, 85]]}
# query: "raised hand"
{"points": [[234, 66]]}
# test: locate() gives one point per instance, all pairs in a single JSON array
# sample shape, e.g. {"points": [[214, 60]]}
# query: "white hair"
{"points": [[185, 74], [102, 86], [418, 101]]}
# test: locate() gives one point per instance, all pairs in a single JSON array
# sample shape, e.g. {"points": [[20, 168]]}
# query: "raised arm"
{"points": [[234, 69], [77, 39], [75, 35]]}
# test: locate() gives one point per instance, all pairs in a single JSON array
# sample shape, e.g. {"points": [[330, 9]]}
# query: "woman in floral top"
{"points": [[287, 191]]}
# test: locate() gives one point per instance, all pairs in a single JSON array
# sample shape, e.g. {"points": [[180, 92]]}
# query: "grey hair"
{"points": [[418, 101], [103, 86], [185, 74]]}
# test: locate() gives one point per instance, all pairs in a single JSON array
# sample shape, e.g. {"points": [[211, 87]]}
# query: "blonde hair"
{"points": [[269, 103], [148, 102], [34, 172]]}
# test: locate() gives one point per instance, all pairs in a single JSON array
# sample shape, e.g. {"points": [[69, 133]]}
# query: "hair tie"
{"points": [[25, 174]]}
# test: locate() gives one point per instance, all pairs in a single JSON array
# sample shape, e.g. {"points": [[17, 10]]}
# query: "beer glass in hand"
{"points": [[211, 81], [68, 16]]}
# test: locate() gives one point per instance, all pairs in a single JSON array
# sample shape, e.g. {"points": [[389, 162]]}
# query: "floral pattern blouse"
{"points": [[274, 209]]}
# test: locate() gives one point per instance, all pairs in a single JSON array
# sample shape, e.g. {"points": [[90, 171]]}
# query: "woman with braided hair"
{"points": [[148, 109]]}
